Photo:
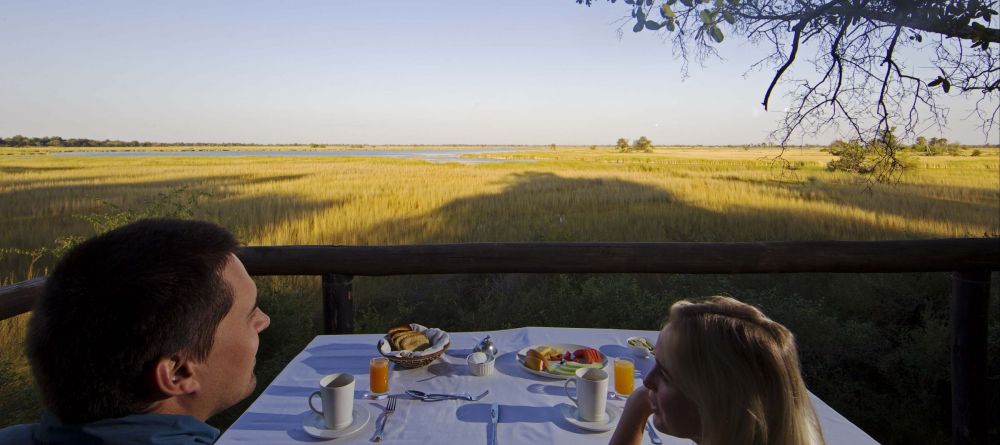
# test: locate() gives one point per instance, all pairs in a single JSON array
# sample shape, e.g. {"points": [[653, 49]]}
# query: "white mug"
{"points": [[337, 394], [591, 393]]}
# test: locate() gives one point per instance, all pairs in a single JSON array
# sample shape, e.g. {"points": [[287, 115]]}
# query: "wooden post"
{"points": [[338, 304], [969, 323]]}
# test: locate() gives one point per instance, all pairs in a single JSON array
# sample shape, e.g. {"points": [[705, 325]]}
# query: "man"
{"points": [[141, 335]]}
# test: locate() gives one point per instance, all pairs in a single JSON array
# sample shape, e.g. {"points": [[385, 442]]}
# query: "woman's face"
{"points": [[673, 412]]}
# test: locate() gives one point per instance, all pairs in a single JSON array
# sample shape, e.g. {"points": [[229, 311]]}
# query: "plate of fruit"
{"points": [[559, 361]]}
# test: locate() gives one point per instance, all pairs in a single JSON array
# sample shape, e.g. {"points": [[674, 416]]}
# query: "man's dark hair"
{"points": [[116, 304]]}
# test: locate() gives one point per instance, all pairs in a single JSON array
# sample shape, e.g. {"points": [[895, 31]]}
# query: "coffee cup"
{"points": [[336, 391], [591, 393]]}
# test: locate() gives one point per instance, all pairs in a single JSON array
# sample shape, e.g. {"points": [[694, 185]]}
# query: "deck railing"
{"points": [[970, 260]]}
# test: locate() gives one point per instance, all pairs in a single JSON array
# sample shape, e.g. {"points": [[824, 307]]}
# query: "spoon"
{"points": [[438, 397]]}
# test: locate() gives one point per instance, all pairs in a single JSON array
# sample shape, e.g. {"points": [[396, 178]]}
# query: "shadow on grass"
{"points": [[547, 207], [225, 206], [912, 201], [21, 169]]}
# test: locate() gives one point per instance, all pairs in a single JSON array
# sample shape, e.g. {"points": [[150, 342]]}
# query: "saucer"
{"points": [[315, 426], [569, 412]]}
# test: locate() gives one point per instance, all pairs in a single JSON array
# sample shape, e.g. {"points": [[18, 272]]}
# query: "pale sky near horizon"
{"points": [[384, 72]]}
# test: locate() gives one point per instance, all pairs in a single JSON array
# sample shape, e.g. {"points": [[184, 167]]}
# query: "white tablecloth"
{"points": [[529, 405]]}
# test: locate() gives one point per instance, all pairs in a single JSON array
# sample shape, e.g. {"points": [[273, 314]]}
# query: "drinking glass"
{"points": [[378, 370], [624, 377]]}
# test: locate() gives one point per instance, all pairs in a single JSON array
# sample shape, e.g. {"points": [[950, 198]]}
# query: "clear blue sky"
{"points": [[373, 72]]}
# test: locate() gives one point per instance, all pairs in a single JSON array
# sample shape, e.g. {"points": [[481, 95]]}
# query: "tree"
{"points": [[859, 83], [850, 157], [855, 156], [17, 141], [643, 144], [622, 145]]}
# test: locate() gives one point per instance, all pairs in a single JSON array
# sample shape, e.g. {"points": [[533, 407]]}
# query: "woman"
{"points": [[725, 374]]}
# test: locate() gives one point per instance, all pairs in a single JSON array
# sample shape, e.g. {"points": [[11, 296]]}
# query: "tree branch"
{"points": [[806, 18], [954, 29], [883, 110]]}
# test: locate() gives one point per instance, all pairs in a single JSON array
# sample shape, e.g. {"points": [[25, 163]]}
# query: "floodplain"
{"points": [[874, 346]]}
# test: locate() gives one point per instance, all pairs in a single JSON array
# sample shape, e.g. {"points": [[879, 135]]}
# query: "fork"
{"points": [[390, 407]]}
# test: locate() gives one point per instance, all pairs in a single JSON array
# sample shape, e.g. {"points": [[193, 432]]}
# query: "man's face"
{"points": [[227, 374]]}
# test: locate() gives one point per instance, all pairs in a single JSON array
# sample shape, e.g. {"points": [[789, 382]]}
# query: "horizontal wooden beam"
{"points": [[18, 298], [941, 255]]}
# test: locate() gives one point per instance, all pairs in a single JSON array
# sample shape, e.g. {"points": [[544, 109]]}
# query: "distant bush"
{"points": [[853, 156], [643, 144], [936, 147], [977, 152], [56, 141]]}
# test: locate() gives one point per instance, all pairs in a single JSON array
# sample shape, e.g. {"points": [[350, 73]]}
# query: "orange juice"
{"points": [[624, 376], [378, 371]]}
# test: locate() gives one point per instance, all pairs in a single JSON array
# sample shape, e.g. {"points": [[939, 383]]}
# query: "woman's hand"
{"points": [[633, 420]]}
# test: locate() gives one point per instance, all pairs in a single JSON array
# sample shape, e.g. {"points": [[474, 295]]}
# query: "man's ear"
{"points": [[174, 376]]}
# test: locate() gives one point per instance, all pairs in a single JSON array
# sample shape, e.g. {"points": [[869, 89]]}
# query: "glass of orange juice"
{"points": [[378, 372], [624, 377]]}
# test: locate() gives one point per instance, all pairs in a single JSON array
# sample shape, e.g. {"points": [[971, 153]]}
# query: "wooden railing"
{"points": [[970, 260]]}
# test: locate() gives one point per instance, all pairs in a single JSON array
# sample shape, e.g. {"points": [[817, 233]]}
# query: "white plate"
{"points": [[638, 350], [315, 426], [564, 347], [612, 412]]}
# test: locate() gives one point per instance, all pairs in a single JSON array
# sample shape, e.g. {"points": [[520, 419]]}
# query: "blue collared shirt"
{"points": [[154, 429]]}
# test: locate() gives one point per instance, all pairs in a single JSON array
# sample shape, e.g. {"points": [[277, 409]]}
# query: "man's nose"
{"points": [[264, 322]]}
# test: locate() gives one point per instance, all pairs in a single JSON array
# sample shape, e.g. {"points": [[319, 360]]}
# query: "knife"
{"points": [[494, 419]]}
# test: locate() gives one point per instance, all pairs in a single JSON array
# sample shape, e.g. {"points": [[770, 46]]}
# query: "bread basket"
{"points": [[440, 342], [417, 361]]}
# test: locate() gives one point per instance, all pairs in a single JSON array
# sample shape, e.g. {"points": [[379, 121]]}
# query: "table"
{"points": [[529, 405]]}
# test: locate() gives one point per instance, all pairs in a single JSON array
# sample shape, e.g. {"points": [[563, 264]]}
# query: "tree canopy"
{"points": [[865, 61]]}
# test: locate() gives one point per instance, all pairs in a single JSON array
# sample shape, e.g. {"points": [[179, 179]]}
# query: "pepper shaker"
{"points": [[486, 346]]}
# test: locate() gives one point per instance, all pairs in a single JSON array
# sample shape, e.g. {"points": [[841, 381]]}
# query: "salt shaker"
{"points": [[486, 346]]}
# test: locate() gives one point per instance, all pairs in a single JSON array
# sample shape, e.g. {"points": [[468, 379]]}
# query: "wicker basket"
{"points": [[415, 362]]}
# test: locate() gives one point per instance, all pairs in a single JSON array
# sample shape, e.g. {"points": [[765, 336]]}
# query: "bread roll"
{"points": [[398, 338], [400, 328], [414, 342]]}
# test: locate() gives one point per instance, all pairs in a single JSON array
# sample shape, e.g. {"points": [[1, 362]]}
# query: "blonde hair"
{"points": [[742, 371]]}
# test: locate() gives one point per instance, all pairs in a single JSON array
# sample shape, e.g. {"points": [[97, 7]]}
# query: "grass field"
{"points": [[873, 346]]}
